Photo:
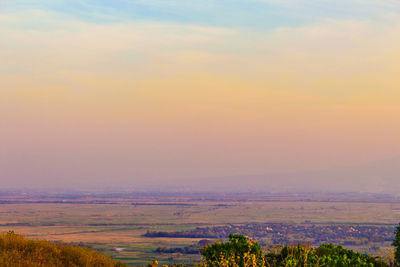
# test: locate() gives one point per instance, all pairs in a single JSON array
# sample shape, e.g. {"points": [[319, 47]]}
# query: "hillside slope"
{"points": [[16, 250]]}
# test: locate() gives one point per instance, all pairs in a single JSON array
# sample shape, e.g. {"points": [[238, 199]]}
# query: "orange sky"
{"points": [[148, 101]]}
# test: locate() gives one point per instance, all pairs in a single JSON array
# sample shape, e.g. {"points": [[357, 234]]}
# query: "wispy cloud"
{"points": [[90, 92], [256, 14]]}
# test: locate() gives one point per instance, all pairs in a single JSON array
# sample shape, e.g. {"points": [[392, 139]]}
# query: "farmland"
{"points": [[138, 227]]}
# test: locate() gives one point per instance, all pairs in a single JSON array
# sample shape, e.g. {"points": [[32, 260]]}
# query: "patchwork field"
{"points": [[117, 225]]}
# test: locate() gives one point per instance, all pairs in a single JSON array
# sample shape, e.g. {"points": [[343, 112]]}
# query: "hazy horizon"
{"points": [[267, 95]]}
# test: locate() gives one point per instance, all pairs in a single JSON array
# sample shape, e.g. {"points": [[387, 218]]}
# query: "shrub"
{"points": [[238, 251]]}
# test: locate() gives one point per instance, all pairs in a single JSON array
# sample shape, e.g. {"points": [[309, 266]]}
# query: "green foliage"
{"points": [[331, 255], [238, 251], [396, 244], [15, 250], [325, 255]]}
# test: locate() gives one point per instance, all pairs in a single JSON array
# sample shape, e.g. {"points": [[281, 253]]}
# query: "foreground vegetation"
{"points": [[240, 251], [16, 250]]}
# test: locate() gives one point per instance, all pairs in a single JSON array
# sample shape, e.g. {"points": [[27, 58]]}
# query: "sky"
{"points": [[200, 95]]}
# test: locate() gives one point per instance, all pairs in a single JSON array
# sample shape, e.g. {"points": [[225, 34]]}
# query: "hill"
{"points": [[16, 250]]}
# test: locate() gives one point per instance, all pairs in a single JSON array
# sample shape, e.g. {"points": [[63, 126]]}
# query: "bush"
{"points": [[240, 251], [325, 255]]}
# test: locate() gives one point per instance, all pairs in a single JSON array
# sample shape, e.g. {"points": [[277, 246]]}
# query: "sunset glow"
{"points": [[162, 92]]}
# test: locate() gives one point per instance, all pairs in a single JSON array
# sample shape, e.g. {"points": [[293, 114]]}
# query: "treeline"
{"points": [[196, 233], [191, 249], [286, 233], [16, 250]]}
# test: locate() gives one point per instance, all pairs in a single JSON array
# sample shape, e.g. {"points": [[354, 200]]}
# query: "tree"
{"points": [[396, 244], [238, 251]]}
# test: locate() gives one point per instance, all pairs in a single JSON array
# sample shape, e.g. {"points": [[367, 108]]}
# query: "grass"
{"points": [[16, 250]]}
